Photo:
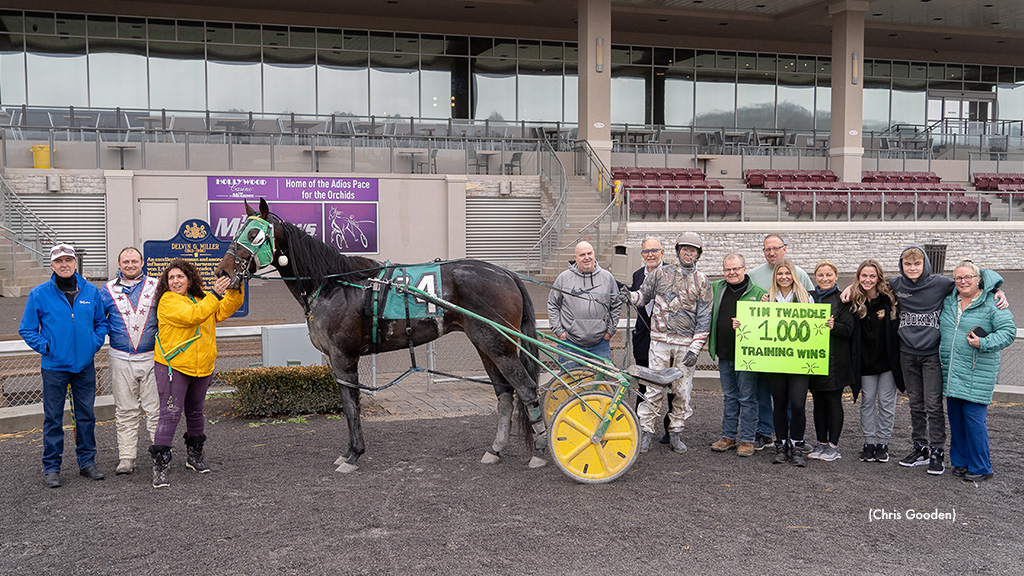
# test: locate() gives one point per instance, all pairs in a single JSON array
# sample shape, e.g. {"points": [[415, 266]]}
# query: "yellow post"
{"points": [[40, 156], [618, 192]]}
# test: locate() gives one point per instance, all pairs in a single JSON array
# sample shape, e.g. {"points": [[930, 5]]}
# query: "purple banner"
{"points": [[294, 189], [351, 228], [227, 217]]}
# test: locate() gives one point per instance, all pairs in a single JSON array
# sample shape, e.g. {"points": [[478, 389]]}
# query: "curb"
{"points": [[23, 418]]}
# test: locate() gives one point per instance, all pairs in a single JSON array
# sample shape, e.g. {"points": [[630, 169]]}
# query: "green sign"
{"points": [[782, 337]]}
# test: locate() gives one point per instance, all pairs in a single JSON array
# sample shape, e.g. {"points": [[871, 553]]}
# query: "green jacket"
{"points": [[970, 373], [753, 294]]}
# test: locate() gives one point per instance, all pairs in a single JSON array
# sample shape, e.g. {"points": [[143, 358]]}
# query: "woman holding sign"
{"points": [[973, 332], [789, 391], [828, 390], [186, 347]]}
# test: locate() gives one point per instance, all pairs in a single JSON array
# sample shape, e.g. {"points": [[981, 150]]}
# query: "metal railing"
{"points": [[23, 228], [553, 172], [600, 231]]}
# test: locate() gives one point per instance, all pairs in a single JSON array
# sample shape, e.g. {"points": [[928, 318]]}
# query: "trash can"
{"points": [[620, 261], [936, 253], [40, 155]]}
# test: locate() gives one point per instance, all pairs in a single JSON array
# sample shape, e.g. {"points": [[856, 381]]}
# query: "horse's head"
{"points": [[252, 248]]}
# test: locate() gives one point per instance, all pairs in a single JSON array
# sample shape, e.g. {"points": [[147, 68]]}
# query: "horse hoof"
{"points": [[536, 462], [346, 468], [341, 459], [490, 458]]}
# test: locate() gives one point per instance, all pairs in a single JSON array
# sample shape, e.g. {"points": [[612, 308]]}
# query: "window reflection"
{"points": [[494, 89], [909, 102], [876, 106], [715, 100], [117, 74], [679, 100], [233, 78], [796, 102], [288, 80], [572, 96], [343, 83], [437, 91], [630, 95], [755, 100], [540, 91], [12, 70], [394, 85], [57, 72], [177, 76]]}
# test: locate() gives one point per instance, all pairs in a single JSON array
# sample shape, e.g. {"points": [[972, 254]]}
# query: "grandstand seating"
{"points": [[899, 177], [757, 178], [992, 181]]}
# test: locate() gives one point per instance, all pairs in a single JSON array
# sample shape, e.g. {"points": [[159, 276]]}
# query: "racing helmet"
{"points": [[690, 239]]}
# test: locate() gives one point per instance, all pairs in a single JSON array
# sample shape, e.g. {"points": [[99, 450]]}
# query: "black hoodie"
{"points": [[920, 302]]}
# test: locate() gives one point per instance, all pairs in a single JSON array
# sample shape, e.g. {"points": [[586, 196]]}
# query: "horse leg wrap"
{"points": [[493, 455], [539, 436], [537, 419]]}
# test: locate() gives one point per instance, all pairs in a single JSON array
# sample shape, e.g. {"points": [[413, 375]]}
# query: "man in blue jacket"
{"points": [[64, 322]]}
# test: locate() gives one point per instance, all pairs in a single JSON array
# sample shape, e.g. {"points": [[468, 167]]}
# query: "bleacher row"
{"points": [[899, 177], [661, 176], [993, 181], [759, 177], [682, 202], [772, 188]]}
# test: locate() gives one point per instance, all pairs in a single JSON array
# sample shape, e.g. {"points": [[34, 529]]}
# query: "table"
{"points": [[315, 150], [637, 136], [705, 158], [487, 158], [81, 120], [121, 147], [412, 154], [232, 125], [302, 127], [150, 122], [770, 139]]}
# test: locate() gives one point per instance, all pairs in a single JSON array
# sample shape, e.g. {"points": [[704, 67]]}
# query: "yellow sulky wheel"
{"points": [[572, 427], [578, 379]]}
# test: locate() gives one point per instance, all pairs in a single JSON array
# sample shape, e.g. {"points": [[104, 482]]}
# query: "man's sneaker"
{"points": [[881, 452], [935, 465], [723, 444], [816, 452], [761, 442], [745, 449], [919, 457], [125, 466], [968, 477], [867, 454], [959, 471], [831, 453]]}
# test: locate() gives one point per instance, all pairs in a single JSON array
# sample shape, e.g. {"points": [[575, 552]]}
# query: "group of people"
{"points": [[919, 332], [162, 351]]}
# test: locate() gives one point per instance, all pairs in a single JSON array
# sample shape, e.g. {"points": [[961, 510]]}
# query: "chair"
{"points": [[515, 162], [477, 161], [430, 163]]}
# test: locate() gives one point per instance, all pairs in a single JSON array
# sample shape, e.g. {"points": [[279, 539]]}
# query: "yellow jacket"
{"points": [[179, 319]]}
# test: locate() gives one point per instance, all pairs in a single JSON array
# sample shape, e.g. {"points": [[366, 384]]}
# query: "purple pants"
{"points": [[180, 392]]}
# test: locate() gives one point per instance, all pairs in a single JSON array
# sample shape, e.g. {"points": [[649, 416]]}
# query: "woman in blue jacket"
{"points": [[973, 332]]}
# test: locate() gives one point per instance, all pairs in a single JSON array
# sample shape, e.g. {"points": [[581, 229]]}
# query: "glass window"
{"points": [[540, 91], [431, 44], [705, 59], [796, 102], [909, 102], [504, 48], [876, 105], [619, 54], [275, 35], [407, 43], [572, 52], [329, 39], [356, 40], [755, 100], [766, 62], [456, 45], [233, 77], [302, 37], [678, 98], [56, 68], [663, 56], [11, 21], [39, 23], [685, 58], [746, 61], [805, 64], [494, 89], [824, 65], [394, 85], [480, 46], [529, 49], [972, 73], [12, 70], [102, 27], [551, 51], [919, 70], [572, 94], [283, 70], [823, 104], [437, 94], [117, 74], [382, 41], [177, 76], [630, 96], [248, 34], [219, 32], [726, 61], [936, 71], [715, 100], [1011, 100], [191, 31], [71, 25], [640, 55], [130, 28], [159, 29], [343, 83], [787, 63], [901, 69]]}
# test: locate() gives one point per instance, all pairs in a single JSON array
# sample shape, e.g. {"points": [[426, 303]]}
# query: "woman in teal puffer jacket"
{"points": [[973, 332]]}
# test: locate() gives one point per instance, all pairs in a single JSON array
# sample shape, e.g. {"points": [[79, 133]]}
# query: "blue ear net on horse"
{"points": [[257, 236]]}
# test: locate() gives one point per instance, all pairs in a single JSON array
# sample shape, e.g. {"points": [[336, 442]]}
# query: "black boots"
{"points": [[194, 446], [781, 452], [161, 465]]}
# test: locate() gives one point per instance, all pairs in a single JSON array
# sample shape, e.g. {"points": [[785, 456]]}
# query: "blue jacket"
{"points": [[119, 339], [68, 339], [970, 373]]}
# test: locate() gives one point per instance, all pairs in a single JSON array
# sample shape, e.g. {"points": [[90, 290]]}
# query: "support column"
{"points": [[595, 76], [121, 207], [847, 148]]}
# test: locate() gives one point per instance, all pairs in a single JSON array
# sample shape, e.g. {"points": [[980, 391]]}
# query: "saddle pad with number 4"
{"points": [[426, 277]]}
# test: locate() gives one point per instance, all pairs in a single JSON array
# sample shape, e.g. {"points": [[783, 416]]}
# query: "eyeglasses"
{"points": [[774, 248], [61, 249], [651, 251], [965, 278], [731, 270]]}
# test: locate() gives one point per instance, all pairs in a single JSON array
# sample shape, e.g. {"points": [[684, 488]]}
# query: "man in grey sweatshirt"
{"points": [[584, 305]]}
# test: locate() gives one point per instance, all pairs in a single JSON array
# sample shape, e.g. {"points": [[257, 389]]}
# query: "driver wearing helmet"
{"points": [[680, 323]]}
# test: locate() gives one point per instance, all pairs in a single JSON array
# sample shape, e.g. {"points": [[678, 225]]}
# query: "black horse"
{"points": [[332, 289]]}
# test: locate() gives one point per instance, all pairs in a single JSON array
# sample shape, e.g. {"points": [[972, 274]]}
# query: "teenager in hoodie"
{"points": [[584, 306], [920, 295]]}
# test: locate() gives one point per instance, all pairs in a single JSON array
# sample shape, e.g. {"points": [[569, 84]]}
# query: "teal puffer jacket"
{"points": [[970, 373]]}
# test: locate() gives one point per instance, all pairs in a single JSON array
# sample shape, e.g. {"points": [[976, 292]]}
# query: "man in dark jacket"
{"points": [[652, 254], [64, 322]]}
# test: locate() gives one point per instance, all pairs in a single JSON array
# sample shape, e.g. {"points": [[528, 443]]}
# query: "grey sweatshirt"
{"points": [[587, 317]]}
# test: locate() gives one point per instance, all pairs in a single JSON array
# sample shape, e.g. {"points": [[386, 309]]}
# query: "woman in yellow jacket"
{"points": [[185, 353]]}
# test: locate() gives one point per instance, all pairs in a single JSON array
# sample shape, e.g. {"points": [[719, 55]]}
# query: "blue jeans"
{"points": [[968, 436], [83, 391], [739, 401], [603, 349], [765, 424]]}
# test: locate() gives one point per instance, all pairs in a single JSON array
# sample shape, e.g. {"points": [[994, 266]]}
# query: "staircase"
{"points": [[19, 271], [583, 205]]}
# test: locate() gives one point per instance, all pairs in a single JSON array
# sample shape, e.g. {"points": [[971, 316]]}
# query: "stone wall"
{"points": [[70, 183], [518, 187], [996, 249]]}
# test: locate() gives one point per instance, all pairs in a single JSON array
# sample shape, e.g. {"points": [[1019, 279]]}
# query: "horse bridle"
{"points": [[257, 237]]}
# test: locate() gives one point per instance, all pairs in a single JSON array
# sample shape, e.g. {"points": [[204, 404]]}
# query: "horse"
{"points": [[331, 288]]}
